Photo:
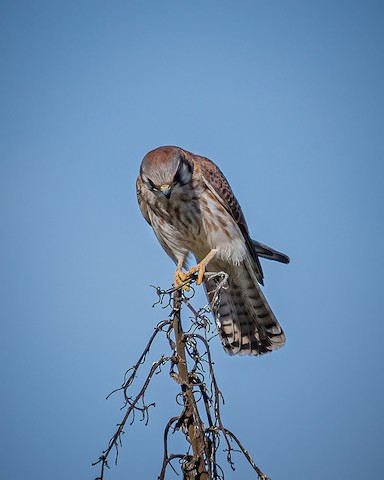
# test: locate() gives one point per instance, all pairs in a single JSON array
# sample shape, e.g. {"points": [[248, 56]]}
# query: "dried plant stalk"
{"points": [[191, 366]]}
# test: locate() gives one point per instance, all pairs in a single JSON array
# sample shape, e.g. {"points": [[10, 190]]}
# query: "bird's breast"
{"points": [[197, 223]]}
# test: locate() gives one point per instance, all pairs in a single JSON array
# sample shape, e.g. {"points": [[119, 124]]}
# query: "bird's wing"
{"points": [[219, 186], [141, 200], [268, 252]]}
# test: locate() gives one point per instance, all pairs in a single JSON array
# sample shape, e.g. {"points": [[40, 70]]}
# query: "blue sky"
{"points": [[287, 98]]}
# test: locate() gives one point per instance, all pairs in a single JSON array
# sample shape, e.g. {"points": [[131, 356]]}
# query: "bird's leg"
{"points": [[200, 267], [179, 276]]}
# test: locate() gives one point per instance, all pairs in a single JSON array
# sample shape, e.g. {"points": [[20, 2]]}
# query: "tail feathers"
{"points": [[245, 321], [265, 251]]}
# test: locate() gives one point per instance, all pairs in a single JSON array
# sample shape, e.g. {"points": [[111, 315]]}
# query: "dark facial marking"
{"points": [[183, 174]]}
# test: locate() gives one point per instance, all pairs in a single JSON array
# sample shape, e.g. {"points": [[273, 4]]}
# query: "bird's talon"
{"points": [[179, 278], [200, 276]]}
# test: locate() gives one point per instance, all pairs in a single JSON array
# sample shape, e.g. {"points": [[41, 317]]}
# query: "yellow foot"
{"points": [[181, 277], [200, 269]]}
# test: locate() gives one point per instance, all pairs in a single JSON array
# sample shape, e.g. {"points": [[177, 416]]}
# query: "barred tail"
{"points": [[246, 323]]}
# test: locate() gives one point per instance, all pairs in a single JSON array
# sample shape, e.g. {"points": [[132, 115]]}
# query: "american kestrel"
{"points": [[191, 207]]}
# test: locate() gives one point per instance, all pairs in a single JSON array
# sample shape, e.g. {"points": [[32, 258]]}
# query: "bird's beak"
{"points": [[166, 190]]}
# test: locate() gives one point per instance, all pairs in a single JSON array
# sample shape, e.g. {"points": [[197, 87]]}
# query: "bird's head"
{"points": [[166, 169]]}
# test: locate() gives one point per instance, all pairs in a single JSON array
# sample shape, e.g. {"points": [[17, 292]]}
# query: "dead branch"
{"points": [[200, 399]]}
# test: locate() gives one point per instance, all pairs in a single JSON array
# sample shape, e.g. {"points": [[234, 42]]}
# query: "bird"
{"points": [[192, 210]]}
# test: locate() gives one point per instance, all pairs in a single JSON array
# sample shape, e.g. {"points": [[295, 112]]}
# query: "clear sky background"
{"points": [[287, 98]]}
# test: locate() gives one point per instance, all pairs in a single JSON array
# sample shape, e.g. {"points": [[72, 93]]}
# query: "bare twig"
{"points": [[200, 398]]}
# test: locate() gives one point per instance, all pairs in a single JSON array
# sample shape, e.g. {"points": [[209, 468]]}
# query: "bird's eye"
{"points": [[150, 184]]}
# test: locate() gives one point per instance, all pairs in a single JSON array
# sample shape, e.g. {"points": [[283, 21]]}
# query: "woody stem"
{"points": [[193, 423]]}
